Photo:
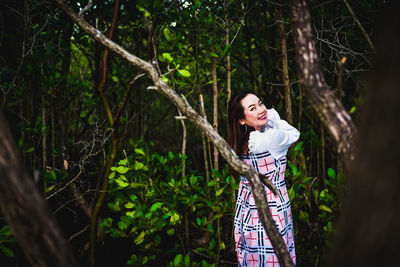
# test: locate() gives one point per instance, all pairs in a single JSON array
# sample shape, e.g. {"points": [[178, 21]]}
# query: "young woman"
{"points": [[261, 139]]}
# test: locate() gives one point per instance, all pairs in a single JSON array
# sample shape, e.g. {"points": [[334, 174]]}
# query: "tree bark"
{"points": [[35, 229], [285, 71], [215, 104], [328, 107], [228, 56], [368, 233]]}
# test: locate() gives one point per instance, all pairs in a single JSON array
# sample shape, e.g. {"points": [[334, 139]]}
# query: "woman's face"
{"points": [[255, 112]]}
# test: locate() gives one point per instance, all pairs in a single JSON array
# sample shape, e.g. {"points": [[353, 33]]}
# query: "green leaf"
{"points": [[156, 206], [5, 230], [174, 218], [167, 34], [293, 168], [135, 185], [214, 55], [107, 222], [115, 79], [325, 208], [193, 180], [323, 193], [138, 165], [140, 8], [134, 258], [129, 205], [122, 225], [122, 178], [291, 194], [20, 142], [164, 79], [140, 238], [121, 183], [178, 259], [6, 251], [172, 182], [130, 214], [122, 169], [53, 174], [171, 231], [299, 146], [29, 150], [112, 175], [219, 191], [198, 221], [168, 57], [227, 49], [139, 151], [48, 189], [352, 110], [212, 183], [184, 73], [186, 261], [145, 259], [304, 216], [331, 173], [114, 206], [123, 162]]}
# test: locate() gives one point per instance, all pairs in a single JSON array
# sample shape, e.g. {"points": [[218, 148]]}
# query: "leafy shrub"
{"points": [[149, 202]]}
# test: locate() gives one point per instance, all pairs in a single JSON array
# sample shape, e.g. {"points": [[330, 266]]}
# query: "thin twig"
{"points": [[86, 8], [359, 25]]}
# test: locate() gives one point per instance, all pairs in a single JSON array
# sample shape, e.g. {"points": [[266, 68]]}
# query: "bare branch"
{"points": [[359, 25], [86, 8]]}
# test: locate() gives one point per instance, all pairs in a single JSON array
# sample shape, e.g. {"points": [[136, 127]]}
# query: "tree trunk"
{"points": [[369, 230], [114, 146], [228, 57], [328, 107], [215, 104], [35, 229], [285, 71]]}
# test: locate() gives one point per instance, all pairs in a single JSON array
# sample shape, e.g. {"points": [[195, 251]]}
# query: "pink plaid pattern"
{"points": [[253, 246]]}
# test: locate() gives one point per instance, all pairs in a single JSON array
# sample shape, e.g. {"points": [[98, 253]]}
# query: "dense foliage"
{"points": [[166, 208]]}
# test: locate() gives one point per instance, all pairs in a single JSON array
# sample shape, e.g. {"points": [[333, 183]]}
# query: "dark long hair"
{"points": [[238, 135]]}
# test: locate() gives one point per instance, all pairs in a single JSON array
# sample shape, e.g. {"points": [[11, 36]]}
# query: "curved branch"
{"points": [[328, 107]]}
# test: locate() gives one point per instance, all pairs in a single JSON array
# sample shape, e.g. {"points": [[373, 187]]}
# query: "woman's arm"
{"points": [[277, 137]]}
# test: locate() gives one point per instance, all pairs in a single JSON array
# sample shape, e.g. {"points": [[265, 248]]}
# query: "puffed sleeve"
{"points": [[277, 137]]}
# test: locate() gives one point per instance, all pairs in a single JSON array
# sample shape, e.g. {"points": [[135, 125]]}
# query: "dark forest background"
{"points": [[83, 117]]}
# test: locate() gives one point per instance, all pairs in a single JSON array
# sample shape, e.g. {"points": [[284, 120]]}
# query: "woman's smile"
{"points": [[263, 116]]}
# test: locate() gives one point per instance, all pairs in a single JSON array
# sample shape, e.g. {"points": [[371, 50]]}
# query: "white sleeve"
{"points": [[276, 139]]}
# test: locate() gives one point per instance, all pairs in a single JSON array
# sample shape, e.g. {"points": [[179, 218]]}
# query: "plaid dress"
{"points": [[253, 246]]}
